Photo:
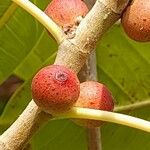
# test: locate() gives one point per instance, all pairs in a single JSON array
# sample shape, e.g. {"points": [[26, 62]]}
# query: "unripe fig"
{"points": [[66, 12], [136, 20], [93, 95], [55, 89]]}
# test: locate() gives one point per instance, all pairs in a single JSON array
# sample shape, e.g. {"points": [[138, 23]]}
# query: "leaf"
{"points": [[4, 5], [123, 66], [18, 36], [39, 53], [120, 137], [25, 45], [60, 134], [2, 104], [16, 104]]}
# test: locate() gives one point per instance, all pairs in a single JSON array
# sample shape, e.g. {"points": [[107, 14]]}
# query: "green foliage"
{"points": [[122, 64]]}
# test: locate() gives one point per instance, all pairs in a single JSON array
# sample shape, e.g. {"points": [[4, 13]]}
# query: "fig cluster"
{"points": [[56, 89], [136, 20]]}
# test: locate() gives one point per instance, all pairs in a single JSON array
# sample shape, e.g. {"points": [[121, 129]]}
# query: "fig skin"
{"points": [[93, 95], [55, 89], [66, 12], [136, 20]]}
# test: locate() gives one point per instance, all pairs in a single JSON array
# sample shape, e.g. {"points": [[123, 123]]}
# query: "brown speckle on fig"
{"points": [[136, 20], [93, 95], [55, 89]]}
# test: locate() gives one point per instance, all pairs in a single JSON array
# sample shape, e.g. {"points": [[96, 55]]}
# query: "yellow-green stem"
{"points": [[86, 113], [51, 26]]}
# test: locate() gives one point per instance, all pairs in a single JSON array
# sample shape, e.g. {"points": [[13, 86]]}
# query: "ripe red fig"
{"points": [[93, 95], [55, 89], [136, 20], [66, 12]]}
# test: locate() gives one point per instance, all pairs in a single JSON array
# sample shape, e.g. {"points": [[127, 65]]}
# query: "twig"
{"points": [[122, 119], [73, 54], [50, 25]]}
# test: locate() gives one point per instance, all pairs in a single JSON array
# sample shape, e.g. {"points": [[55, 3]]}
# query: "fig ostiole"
{"points": [[55, 89]]}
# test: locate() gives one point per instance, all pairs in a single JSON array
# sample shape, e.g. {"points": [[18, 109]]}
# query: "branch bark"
{"points": [[94, 139], [90, 3], [72, 53], [93, 134], [101, 17], [89, 72], [16, 137]]}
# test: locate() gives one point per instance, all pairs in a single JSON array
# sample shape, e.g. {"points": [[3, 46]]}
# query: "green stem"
{"points": [[134, 106], [51, 26], [122, 119], [6, 16]]}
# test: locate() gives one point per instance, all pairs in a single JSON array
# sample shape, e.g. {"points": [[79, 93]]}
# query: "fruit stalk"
{"points": [[50, 25], [118, 118], [72, 54]]}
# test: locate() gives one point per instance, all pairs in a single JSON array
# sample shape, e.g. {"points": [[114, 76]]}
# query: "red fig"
{"points": [[136, 20], [94, 95], [66, 12], [55, 89]]}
